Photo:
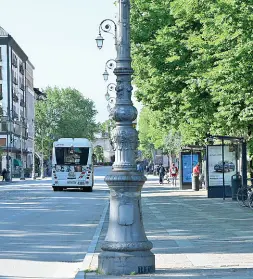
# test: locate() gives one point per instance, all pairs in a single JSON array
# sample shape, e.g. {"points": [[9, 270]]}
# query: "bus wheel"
{"points": [[90, 189], [55, 188], [60, 188]]}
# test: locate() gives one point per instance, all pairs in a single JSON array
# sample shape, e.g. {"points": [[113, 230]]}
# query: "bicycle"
{"points": [[251, 195], [245, 195]]}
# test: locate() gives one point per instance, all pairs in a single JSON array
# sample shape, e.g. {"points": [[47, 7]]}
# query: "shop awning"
{"points": [[17, 163]]}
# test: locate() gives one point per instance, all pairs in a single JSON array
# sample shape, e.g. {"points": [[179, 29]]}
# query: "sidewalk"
{"points": [[17, 180], [193, 237]]}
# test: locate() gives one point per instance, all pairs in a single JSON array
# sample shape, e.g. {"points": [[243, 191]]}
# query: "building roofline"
{"points": [[19, 51], [30, 63]]}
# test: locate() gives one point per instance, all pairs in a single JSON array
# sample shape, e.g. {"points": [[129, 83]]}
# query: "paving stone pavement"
{"points": [[193, 236]]}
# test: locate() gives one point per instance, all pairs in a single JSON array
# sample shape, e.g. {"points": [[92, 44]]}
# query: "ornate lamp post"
{"points": [[126, 248]]}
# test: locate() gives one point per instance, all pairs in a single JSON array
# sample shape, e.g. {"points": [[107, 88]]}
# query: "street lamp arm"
{"points": [[106, 26], [111, 87], [110, 64]]}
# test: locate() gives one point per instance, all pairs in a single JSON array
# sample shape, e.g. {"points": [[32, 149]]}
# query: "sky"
{"points": [[58, 36]]}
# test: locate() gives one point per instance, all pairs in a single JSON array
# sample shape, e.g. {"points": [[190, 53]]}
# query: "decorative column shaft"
{"points": [[126, 248]]}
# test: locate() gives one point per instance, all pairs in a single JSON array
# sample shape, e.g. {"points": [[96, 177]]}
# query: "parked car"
{"points": [[228, 166]]}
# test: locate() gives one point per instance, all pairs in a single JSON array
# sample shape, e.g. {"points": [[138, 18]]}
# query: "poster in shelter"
{"points": [[188, 162], [215, 165]]}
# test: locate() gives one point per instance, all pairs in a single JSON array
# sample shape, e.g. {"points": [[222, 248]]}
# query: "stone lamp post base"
{"points": [[118, 263]]}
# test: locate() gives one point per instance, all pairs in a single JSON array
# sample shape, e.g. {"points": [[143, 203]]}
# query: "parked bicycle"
{"points": [[245, 195]]}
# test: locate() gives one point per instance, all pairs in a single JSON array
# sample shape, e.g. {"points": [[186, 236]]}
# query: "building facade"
{"points": [[104, 142], [17, 100]]}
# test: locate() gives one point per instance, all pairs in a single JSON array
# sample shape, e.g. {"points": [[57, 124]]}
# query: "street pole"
{"points": [[33, 154], [42, 160], [8, 177], [126, 248], [22, 175]]}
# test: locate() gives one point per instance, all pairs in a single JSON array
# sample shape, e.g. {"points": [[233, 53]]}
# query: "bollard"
{"points": [[195, 182], [236, 183]]}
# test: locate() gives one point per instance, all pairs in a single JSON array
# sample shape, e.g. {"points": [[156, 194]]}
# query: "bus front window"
{"points": [[72, 156]]}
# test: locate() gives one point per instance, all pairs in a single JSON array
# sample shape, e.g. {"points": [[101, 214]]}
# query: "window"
{"points": [[21, 68], [0, 54], [72, 156], [14, 60], [1, 78]]}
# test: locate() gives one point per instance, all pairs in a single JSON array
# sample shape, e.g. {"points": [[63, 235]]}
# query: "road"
{"points": [[46, 234]]}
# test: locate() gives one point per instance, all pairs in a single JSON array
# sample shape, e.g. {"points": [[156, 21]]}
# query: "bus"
{"points": [[72, 164]]}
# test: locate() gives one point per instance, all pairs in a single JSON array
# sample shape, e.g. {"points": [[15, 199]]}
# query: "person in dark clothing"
{"points": [[161, 173], [4, 173]]}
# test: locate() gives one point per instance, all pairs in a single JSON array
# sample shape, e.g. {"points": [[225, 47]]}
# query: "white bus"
{"points": [[72, 162]]}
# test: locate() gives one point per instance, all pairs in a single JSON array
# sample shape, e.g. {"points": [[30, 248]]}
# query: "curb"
{"points": [[94, 275]]}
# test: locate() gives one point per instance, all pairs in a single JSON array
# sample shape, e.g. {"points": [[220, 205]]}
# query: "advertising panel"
{"points": [[188, 162], [215, 168]]}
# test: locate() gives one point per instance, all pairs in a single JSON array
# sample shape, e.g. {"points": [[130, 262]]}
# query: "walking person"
{"points": [[161, 172], [4, 173], [173, 174]]}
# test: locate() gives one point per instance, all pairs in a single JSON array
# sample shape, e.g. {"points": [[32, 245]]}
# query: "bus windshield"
{"points": [[72, 155]]}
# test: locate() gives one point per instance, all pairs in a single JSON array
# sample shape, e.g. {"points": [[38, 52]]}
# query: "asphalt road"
{"points": [[46, 234]]}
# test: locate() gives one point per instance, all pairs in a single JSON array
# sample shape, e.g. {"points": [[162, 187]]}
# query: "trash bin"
{"points": [[195, 182], [236, 182]]}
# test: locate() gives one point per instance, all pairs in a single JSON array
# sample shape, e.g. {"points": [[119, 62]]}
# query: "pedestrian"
{"points": [[4, 173], [161, 172], [196, 170], [173, 174], [138, 166]]}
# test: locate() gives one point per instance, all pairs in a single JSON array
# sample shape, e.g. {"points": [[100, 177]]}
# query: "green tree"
{"points": [[99, 153], [152, 135], [193, 62], [64, 113]]}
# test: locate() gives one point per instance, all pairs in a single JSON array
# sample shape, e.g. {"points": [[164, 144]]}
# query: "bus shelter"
{"points": [[188, 158], [225, 158]]}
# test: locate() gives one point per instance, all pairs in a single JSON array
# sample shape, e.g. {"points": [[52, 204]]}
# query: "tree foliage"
{"points": [[153, 136], [99, 153], [65, 113], [193, 63]]}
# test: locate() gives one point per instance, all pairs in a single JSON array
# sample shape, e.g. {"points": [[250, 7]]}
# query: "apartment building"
{"points": [[17, 102]]}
